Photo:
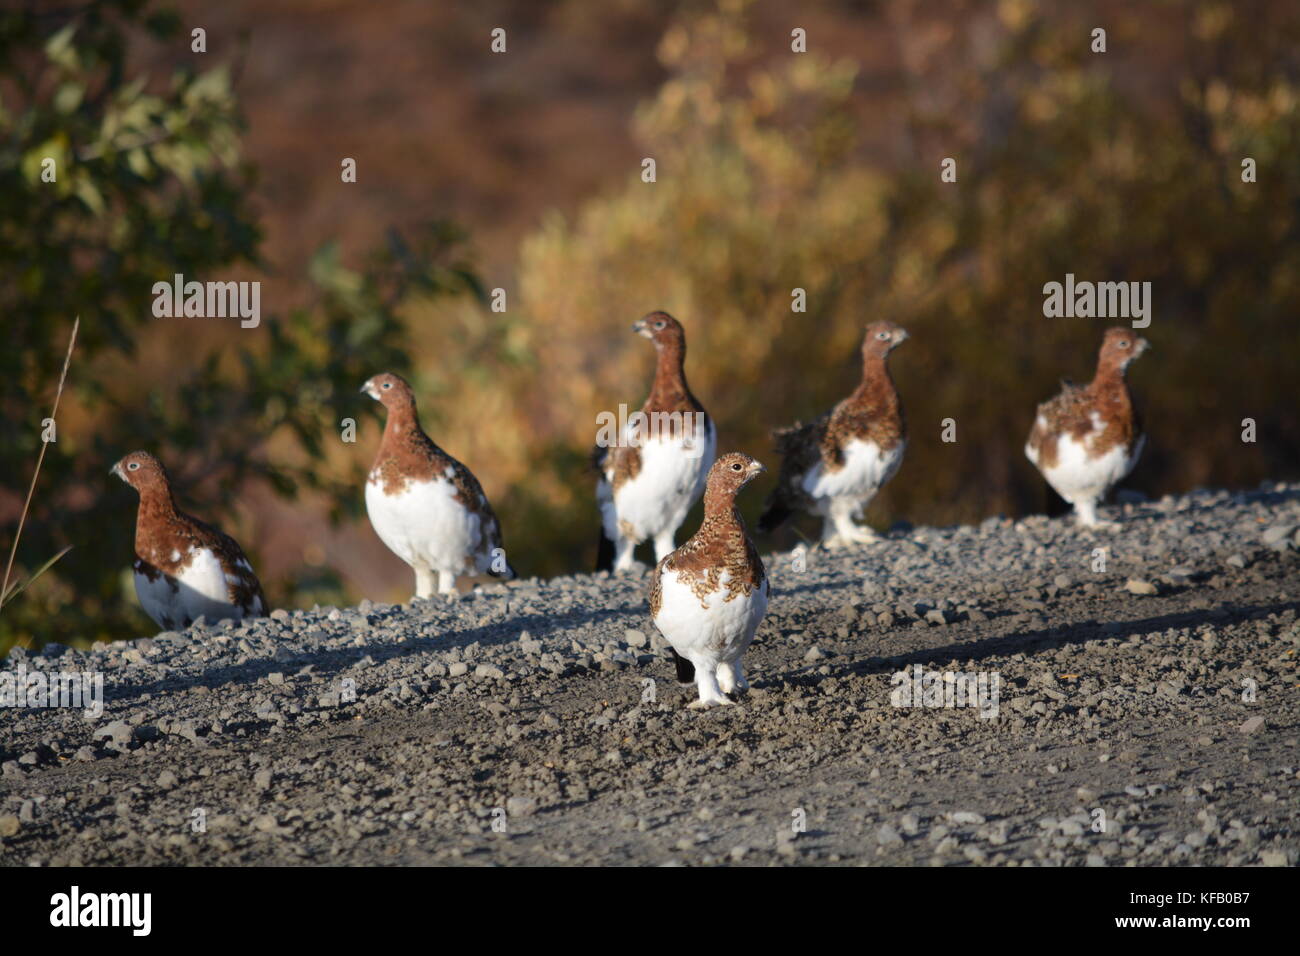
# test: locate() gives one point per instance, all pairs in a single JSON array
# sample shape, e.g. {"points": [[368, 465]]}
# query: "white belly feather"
{"points": [[200, 589], [426, 526], [866, 468], [713, 630], [670, 481], [1077, 476]]}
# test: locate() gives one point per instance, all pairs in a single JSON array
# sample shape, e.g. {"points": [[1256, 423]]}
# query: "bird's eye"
{"points": [[133, 466], [1123, 343], [659, 325], [882, 335], [388, 385], [736, 466]]}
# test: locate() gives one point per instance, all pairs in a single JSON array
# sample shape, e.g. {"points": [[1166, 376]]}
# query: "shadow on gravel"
{"points": [[1052, 638], [328, 661]]}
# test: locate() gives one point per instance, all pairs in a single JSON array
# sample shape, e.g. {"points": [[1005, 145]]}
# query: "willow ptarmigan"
{"points": [[425, 505], [1088, 438], [654, 474], [184, 569], [834, 466], [708, 597]]}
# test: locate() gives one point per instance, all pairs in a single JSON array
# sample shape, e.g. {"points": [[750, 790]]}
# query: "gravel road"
{"points": [[1146, 713]]}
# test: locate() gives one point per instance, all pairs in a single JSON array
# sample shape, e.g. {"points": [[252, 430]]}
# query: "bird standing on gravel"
{"points": [[654, 472], [834, 466], [708, 597], [1087, 439], [184, 569], [425, 505]]}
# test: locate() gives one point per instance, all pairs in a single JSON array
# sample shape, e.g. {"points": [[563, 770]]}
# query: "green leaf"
{"points": [[59, 47], [68, 97]]}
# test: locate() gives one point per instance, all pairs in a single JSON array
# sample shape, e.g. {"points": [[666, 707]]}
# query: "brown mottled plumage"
{"points": [[1089, 437], [871, 414], [619, 465], [408, 464], [1070, 412], [708, 596], [407, 454], [184, 568]]}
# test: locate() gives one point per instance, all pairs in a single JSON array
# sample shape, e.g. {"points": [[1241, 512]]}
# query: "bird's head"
{"points": [[882, 338], [733, 471], [661, 329], [141, 470], [391, 391], [1120, 346]]}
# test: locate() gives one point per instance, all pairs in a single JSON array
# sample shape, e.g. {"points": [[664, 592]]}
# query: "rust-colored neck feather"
{"points": [[720, 510], [401, 430], [157, 510], [669, 392], [876, 390], [1110, 383]]}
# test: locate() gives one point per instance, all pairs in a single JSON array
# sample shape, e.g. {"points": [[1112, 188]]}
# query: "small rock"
{"points": [[119, 731], [521, 806], [1278, 536], [1254, 725], [888, 836]]}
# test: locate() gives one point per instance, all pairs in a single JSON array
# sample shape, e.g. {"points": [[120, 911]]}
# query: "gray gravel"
{"points": [[1147, 715]]}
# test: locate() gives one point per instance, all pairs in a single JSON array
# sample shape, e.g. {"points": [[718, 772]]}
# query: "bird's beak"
{"points": [[756, 468], [640, 328], [369, 389], [1143, 346], [117, 470], [901, 336]]}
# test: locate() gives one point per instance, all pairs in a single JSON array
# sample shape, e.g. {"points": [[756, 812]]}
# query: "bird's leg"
{"points": [[447, 582], [664, 544], [830, 536], [845, 530], [423, 583], [1086, 509], [731, 680], [707, 682], [624, 548]]}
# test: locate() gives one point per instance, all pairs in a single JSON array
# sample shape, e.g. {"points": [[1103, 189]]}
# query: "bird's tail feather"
{"points": [[775, 510], [604, 553], [685, 669]]}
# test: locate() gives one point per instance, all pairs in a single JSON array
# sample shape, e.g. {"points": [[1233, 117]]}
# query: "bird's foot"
{"points": [[706, 703], [850, 537], [634, 569], [732, 687], [1099, 525]]}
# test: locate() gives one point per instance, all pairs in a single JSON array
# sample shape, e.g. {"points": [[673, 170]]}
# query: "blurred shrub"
{"points": [[148, 184], [764, 186]]}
